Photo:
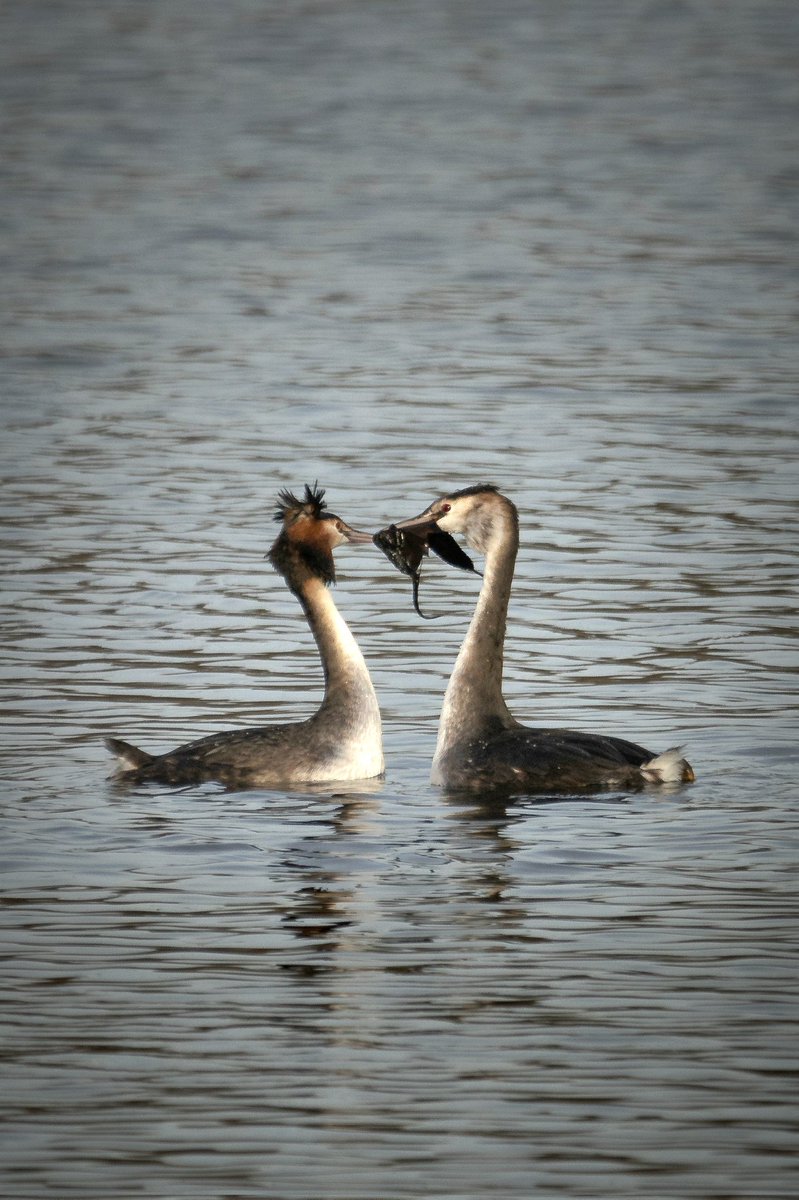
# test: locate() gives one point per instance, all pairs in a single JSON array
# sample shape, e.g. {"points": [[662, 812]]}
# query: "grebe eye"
{"points": [[445, 508]]}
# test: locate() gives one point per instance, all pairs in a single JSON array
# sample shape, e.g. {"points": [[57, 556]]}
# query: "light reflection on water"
{"points": [[546, 251]]}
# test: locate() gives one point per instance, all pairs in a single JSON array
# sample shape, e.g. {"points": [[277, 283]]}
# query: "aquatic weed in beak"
{"points": [[406, 548]]}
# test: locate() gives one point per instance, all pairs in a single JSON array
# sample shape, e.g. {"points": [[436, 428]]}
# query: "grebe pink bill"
{"points": [[343, 739], [481, 746]]}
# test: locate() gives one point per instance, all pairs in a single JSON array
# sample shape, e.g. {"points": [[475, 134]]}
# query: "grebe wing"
{"points": [[524, 759], [223, 756]]}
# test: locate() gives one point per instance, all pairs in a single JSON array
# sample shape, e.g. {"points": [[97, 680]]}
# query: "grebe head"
{"points": [[478, 512], [305, 545]]}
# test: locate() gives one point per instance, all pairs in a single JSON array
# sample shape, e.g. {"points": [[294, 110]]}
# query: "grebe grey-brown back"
{"points": [[343, 739], [480, 744]]}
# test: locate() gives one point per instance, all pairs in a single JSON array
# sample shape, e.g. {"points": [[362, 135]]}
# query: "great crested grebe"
{"points": [[480, 744], [343, 739]]}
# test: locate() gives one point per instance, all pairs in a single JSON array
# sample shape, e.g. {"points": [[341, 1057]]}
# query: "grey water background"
{"points": [[398, 247]]}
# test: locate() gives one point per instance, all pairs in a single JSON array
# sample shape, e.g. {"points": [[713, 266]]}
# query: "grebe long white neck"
{"points": [[348, 688], [473, 702]]}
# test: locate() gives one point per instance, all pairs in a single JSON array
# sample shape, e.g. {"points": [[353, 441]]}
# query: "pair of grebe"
{"points": [[481, 746]]}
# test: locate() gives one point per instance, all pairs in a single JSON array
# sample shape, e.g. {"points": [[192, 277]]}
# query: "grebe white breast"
{"points": [[343, 739], [480, 743]]}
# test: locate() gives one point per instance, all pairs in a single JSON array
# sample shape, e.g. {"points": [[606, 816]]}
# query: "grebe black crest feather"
{"points": [[473, 490], [289, 507]]}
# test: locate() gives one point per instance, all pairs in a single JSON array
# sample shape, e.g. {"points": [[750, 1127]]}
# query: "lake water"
{"points": [[399, 248]]}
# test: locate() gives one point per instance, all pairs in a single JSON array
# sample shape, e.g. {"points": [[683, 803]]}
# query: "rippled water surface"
{"points": [[399, 248]]}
